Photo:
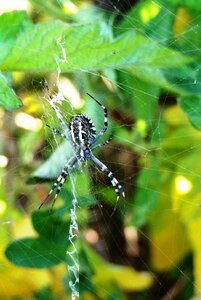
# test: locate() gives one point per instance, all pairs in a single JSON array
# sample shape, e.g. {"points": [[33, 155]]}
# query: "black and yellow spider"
{"points": [[82, 135]]}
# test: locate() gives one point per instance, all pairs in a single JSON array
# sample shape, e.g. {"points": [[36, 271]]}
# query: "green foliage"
{"points": [[192, 111], [145, 68], [189, 4], [88, 47], [32, 252], [20, 22], [148, 193], [52, 167], [8, 99]]}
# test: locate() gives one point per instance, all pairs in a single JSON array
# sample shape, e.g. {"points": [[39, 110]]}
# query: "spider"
{"points": [[83, 136]]}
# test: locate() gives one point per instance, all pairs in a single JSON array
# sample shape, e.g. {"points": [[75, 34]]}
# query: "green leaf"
{"points": [[8, 99], [35, 253], [189, 4], [11, 25], [52, 167], [50, 226], [125, 278], [147, 194], [143, 102], [86, 272], [191, 105], [165, 226], [32, 252], [87, 47], [146, 16], [90, 47]]}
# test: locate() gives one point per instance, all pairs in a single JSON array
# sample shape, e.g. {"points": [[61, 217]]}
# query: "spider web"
{"points": [[179, 167], [73, 266]]}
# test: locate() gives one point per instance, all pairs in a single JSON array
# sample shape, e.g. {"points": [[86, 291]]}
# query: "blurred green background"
{"points": [[142, 60]]}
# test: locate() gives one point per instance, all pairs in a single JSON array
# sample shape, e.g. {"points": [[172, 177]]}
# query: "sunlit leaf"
{"points": [[85, 47], [125, 277], [194, 5], [167, 234], [8, 98], [179, 127], [188, 207], [8, 34], [192, 107], [148, 15], [18, 282]]}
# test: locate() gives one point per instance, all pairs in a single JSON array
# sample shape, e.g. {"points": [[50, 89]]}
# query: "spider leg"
{"points": [[56, 131], [102, 144], [63, 179], [60, 181], [103, 130], [116, 185]]}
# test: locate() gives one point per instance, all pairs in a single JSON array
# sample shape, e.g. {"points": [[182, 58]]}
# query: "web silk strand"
{"points": [[73, 268]]}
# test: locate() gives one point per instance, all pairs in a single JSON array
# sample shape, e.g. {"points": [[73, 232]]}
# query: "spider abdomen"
{"points": [[82, 130]]}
